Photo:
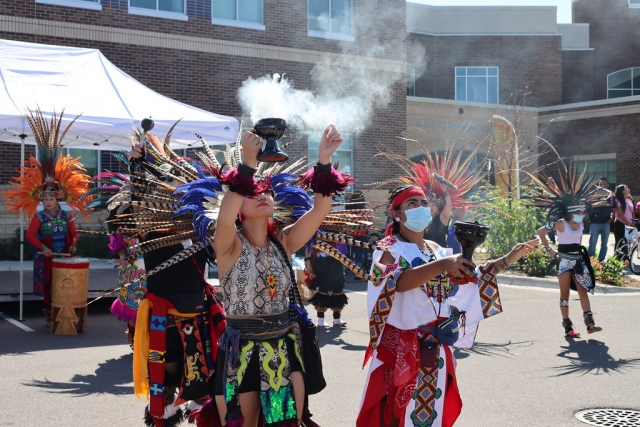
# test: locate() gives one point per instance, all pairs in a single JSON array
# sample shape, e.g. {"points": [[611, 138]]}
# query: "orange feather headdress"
{"points": [[51, 174]]}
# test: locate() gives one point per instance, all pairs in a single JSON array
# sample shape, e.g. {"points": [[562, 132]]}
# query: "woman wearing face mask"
{"points": [[574, 265], [422, 303]]}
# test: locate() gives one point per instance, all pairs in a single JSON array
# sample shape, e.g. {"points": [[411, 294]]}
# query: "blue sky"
{"points": [[564, 6]]}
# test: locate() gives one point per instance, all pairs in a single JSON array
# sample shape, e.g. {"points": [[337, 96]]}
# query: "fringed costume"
{"points": [[262, 344], [412, 372], [564, 194], [51, 175], [327, 282], [180, 319]]}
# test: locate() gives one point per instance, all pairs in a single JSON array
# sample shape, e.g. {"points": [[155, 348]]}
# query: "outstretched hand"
{"points": [[329, 143], [521, 249]]}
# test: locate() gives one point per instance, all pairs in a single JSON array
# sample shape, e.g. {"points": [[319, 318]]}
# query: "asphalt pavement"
{"points": [[521, 372]]}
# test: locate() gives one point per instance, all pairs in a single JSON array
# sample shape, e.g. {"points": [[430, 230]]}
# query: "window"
{"points": [[342, 156], [330, 19], [411, 80], [477, 84], [634, 3], [623, 83], [601, 167], [172, 9], [83, 4], [90, 159], [238, 13]]}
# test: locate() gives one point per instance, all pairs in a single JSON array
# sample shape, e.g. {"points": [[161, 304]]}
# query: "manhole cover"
{"points": [[610, 417]]}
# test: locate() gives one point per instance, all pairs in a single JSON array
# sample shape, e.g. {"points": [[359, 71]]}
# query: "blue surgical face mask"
{"points": [[578, 218], [418, 219]]}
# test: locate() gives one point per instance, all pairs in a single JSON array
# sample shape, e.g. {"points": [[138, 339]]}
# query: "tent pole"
{"points": [[21, 237]]}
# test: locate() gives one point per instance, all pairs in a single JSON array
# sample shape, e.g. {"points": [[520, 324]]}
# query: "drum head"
{"points": [[70, 263]]}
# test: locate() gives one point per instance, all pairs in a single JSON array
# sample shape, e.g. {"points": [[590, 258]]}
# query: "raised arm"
{"points": [[297, 235], [226, 236]]}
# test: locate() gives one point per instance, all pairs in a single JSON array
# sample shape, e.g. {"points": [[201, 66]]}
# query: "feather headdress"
{"points": [[449, 172], [565, 190], [51, 174], [187, 205]]}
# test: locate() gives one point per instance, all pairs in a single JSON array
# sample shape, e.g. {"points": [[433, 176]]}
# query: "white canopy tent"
{"points": [[83, 81]]}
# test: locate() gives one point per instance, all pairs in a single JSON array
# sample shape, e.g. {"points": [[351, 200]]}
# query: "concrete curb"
{"points": [[542, 282]]}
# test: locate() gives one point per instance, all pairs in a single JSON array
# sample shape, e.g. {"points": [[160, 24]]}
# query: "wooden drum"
{"points": [[69, 289]]}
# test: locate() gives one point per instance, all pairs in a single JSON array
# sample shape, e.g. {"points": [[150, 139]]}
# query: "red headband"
{"points": [[397, 201], [409, 192]]}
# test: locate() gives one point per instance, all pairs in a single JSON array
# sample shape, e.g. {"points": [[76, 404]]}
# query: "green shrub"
{"points": [[511, 220], [535, 263], [612, 271]]}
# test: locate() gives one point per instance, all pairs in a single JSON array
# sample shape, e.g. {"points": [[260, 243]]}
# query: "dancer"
{"points": [[565, 196], [422, 303], [49, 179], [441, 207], [260, 365], [327, 281], [179, 321]]}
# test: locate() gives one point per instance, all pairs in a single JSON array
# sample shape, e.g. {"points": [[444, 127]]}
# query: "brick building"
{"points": [[462, 65], [582, 79], [200, 51]]}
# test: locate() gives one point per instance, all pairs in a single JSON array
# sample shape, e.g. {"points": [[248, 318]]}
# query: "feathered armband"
{"points": [[241, 180], [325, 180]]}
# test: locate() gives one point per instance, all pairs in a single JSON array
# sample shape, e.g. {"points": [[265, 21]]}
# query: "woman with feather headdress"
{"points": [[422, 302], [256, 279], [564, 194], [49, 179]]}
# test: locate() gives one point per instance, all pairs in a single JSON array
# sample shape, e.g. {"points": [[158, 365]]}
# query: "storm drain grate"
{"points": [[610, 417]]}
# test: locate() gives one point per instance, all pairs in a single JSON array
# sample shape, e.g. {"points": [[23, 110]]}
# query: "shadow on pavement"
{"points": [[331, 336], [487, 349], [103, 329], [591, 357], [111, 377]]}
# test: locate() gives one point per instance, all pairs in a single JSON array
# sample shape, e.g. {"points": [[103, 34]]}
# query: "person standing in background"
{"points": [[623, 211], [601, 219]]}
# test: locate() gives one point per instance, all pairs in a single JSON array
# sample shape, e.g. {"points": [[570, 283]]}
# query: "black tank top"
{"points": [[437, 232]]}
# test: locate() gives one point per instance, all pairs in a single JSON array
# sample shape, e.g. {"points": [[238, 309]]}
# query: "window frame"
{"points": [[634, 5], [329, 34], [632, 89], [155, 13], [238, 23], [67, 152], [80, 4], [486, 76], [581, 160], [411, 79]]}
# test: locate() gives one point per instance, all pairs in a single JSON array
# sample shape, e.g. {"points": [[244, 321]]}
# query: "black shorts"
{"points": [[251, 379]]}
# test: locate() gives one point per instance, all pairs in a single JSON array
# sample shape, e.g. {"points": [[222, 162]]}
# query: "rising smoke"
{"points": [[346, 90]]}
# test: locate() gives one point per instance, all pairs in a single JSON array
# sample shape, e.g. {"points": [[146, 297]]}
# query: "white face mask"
{"points": [[578, 218], [418, 219]]}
